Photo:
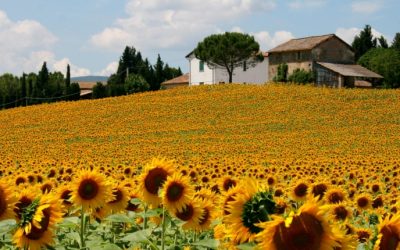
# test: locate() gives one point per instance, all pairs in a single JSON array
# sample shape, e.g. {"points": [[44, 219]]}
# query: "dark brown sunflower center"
{"points": [[206, 216], [186, 214], [88, 189], [155, 179], [132, 207], [65, 196], [36, 233], [377, 202], [305, 232], [3, 202], [20, 180], [46, 188], [340, 213], [229, 183], [335, 197], [390, 239], [118, 195], [175, 191], [301, 190], [20, 205], [362, 202], [319, 190]]}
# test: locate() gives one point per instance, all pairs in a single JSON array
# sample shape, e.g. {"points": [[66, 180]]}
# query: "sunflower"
{"points": [[252, 206], [152, 178], [335, 195], [130, 205], [299, 191], [176, 192], [207, 215], [90, 190], [6, 201], [363, 234], [340, 212], [120, 198], [24, 199], [319, 189], [191, 214], [64, 194], [389, 233], [226, 183], [308, 229], [35, 230], [363, 201]]}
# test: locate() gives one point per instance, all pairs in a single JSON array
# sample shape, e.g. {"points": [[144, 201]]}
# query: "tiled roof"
{"points": [[350, 70], [300, 44], [180, 79]]}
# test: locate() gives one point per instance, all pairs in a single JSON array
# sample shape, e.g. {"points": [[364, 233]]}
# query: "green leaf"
{"points": [[122, 218], [110, 246], [209, 243], [138, 236], [246, 246], [74, 236]]}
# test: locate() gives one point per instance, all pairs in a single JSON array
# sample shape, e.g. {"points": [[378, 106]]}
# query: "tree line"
{"points": [[37, 88], [135, 74], [375, 54]]}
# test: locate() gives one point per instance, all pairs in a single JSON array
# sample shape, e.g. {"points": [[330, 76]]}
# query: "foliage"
{"points": [[363, 42], [228, 51], [396, 42], [99, 91], [301, 76], [281, 75], [383, 42], [135, 83], [385, 62]]}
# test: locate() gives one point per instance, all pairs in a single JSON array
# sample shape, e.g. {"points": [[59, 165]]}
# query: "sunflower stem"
{"points": [[82, 228], [163, 230], [145, 217]]}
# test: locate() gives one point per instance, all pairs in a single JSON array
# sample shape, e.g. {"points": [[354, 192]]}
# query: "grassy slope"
{"points": [[241, 122]]}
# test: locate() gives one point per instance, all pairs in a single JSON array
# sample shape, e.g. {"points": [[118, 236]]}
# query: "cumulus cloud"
{"points": [[348, 34], [111, 68], [367, 7], [298, 4], [25, 45], [268, 41], [170, 24], [61, 66]]}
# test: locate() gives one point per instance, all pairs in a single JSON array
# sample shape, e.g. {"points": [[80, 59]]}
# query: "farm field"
{"points": [[209, 167]]}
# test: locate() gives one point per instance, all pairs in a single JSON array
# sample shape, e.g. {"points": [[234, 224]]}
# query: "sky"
{"points": [[91, 35]]}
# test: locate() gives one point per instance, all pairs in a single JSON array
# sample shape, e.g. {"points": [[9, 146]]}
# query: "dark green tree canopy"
{"points": [[383, 42], [364, 42], [385, 62], [396, 42], [229, 50]]}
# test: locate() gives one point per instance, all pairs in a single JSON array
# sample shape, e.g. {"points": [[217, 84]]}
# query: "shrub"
{"points": [[301, 76]]}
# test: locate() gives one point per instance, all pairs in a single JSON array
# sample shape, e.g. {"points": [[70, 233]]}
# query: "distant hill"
{"points": [[89, 79]]}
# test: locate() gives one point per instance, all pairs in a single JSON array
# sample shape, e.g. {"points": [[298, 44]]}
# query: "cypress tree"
{"points": [[23, 86]]}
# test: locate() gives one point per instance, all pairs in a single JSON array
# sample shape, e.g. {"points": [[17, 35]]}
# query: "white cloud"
{"points": [[172, 23], [61, 66], [367, 7], [298, 4], [111, 68], [348, 34], [26, 44], [268, 41]]}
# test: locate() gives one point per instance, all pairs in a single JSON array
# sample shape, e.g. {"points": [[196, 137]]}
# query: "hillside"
{"points": [[89, 79], [227, 123]]}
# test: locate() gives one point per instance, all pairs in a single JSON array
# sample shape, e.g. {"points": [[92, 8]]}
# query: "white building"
{"points": [[200, 73]]}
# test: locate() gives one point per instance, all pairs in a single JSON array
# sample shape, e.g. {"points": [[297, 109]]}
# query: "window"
{"points": [[201, 66], [298, 55], [244, 66], [201, 83]]}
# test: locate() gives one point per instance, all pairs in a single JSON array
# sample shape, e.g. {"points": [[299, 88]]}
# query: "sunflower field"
{"points": [[278, 167]]}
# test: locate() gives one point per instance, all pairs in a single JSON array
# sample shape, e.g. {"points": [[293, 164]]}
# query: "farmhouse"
{"points": [[328, 56], [201, 73]]}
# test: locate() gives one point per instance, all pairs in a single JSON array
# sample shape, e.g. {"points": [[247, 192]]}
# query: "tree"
{"points": [[364, 42], [23, 86], [159, 74], [228, 51], [43, 80], [383, 42], [67, 82], [99, 91], [385, 62], [301, 76], [135, 83], [281, 75], [396, 42]]}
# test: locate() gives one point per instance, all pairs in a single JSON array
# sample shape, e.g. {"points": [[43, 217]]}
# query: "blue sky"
{"points": [[91, 34]]}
